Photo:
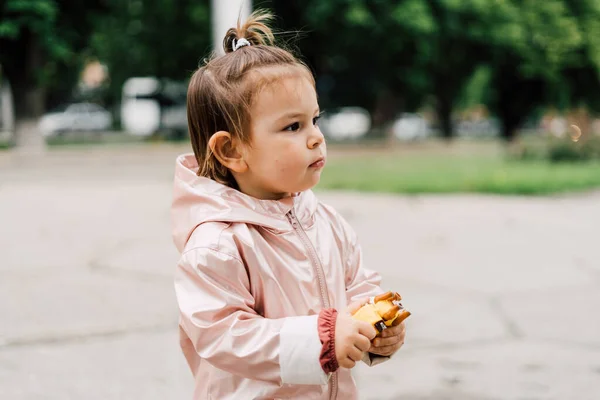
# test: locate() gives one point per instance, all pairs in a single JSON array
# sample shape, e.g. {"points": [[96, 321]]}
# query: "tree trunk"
{"points": [[387, 107], [444, 114], [29, 97], [516, 98], [509, 130], [512, 116]]}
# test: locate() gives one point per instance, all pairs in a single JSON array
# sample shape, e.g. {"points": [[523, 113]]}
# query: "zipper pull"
{"points": [[292, 220]]}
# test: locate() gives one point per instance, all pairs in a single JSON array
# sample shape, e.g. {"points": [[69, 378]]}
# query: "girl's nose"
{"points": [[316, 138]]}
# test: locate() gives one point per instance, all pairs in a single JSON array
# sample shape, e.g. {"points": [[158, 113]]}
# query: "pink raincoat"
{"points": [[252, 278]]}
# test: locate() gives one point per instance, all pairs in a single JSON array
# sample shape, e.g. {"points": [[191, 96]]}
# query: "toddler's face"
{"points": [[287, 151]]}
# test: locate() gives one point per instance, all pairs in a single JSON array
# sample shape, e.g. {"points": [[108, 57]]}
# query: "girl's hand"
{"points": [[390, 341], [352, 337]]}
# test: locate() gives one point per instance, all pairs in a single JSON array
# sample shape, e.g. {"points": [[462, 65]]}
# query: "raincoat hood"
{"points": [[197, 200]]}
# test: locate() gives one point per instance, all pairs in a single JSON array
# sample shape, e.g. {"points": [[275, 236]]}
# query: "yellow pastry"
{"points": [[385, 311]]}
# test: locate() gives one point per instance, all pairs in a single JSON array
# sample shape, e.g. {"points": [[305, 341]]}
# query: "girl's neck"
{"points": [[261, 194]]}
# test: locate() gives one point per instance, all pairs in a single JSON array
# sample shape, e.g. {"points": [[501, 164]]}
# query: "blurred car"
{"points": [[150, 104], [140, 111], [480, 128], [346, 123], [411, 127], [79, 117]]}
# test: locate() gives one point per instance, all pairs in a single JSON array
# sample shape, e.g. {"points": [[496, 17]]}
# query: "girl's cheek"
{"points": [[279, 165]]}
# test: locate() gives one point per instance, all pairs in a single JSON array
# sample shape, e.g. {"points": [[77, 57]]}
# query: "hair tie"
{"points": [[236, 44]]}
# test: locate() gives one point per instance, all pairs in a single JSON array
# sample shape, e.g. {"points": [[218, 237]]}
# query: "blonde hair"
{"points": [[220, 92]]}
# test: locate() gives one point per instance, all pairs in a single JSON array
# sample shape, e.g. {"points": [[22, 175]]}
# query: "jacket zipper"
{"points": [[318, 268]]}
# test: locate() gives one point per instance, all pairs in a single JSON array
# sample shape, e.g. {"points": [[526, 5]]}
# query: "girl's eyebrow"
{"points": [[296, 114], [291, 115]]}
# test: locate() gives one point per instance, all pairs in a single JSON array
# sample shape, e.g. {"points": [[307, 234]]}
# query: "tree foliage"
{"points": [[386, 56]]}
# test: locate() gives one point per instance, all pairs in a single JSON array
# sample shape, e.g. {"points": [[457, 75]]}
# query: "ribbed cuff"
{"points": [[326, 326]]}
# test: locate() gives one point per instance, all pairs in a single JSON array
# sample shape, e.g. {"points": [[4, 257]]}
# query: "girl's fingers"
{"points": [[355, 354], [393, 331], [347, 363], [363, 343], [388, 341], [385, 350]]}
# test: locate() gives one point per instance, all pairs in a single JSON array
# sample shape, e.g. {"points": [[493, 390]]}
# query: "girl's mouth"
{"points": [[320, 163]]}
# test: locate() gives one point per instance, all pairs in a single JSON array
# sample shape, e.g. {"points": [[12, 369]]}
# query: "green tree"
{"points": [[41, 50], [580, 80], [390, 56], [161, 38], [364, 52], [527, 62], [457, 47], [393, 55]]}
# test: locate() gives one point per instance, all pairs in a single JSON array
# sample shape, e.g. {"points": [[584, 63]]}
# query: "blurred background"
{"points": [[464, 141]]}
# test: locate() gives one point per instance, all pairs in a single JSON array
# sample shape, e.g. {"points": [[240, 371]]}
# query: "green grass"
{"points": [[427, 173]]}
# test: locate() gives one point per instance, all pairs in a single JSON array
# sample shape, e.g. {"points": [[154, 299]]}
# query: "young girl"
{"points": [[266, 271]]}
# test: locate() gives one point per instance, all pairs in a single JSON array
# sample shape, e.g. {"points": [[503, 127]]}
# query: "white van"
{"points": [[149, 105], [140, 112]]}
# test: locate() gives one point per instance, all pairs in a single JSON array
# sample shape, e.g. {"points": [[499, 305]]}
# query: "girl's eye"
{"points": [[316, 120], [293, 127]]}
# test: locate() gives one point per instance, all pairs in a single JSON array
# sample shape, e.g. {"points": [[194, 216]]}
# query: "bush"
{"points": [[559, 150], [567, 151]]}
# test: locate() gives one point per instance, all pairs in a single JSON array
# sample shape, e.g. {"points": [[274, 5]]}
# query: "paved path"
{"points": [[505, 291]]}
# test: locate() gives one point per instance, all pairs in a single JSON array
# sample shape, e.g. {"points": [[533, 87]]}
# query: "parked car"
{"points": [[346, 123], [489, 127], [150, 105], [78, 117], [411, 127]]}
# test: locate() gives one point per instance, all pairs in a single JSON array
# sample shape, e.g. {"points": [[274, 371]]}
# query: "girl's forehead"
{"points": [[270, 73], [295, 92], [266, 78]]}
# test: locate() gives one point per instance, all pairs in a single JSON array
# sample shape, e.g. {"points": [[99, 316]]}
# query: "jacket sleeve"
{"points": [[360, 283], [217, 314]]}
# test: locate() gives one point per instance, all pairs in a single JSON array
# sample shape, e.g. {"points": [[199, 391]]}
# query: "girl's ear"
{"points": [[227, 151]]}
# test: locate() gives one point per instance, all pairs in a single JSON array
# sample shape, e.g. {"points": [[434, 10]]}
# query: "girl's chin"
{"points": [[311, 184], [306, 184]]}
